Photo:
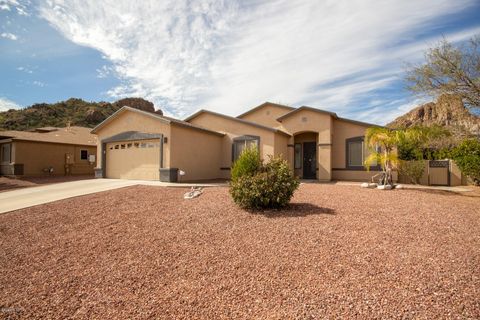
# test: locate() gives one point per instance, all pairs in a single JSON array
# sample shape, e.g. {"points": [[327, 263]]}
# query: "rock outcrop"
{"points": [[448, 111]]}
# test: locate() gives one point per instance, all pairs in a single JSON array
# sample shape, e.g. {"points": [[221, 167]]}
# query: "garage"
{"points": [[133, 155], [139, 145]]}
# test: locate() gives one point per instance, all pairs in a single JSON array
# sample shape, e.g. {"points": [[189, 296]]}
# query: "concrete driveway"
{"points": [[28, 197], [24, 198]]}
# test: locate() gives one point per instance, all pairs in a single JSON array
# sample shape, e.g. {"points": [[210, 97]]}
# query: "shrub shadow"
{"points": [[8, 187], [297, 209], [447, 192]]}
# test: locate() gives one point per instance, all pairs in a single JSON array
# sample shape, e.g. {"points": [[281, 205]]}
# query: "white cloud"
{"points": [[25, 69], [19, 6], [6, 104], [39, 83], [103, 72], [8, 35], [229, 56]]}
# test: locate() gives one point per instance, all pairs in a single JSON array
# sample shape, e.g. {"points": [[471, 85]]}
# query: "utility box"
{"points": [[98, 173], [169, 174]]}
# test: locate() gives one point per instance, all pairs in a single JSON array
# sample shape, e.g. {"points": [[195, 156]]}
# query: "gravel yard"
{"points": [[339, 251]]}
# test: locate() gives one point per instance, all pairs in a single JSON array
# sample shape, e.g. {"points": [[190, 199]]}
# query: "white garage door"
{"points": [[133, 160]]}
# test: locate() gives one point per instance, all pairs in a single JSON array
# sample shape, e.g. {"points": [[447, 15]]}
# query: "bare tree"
{"points": [[449, 69]]}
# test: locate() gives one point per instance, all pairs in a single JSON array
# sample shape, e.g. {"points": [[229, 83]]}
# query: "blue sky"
{"points": [[226, 56]]}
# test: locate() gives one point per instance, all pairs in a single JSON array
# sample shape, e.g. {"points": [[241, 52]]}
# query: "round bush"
{"points": [[271, 186], [247, 164]]}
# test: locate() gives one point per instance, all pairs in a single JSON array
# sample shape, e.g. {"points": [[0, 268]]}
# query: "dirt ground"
{"points": [[7, 184], [337, 252]]}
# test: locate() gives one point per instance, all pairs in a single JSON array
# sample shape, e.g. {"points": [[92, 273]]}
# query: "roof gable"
{"points": [[305, 108], [265, 104], [155, 116], [253, 124]]}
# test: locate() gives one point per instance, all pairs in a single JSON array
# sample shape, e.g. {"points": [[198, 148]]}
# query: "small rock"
{"points": [[385, 187]]}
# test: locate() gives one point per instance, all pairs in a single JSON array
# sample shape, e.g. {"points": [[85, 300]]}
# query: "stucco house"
{"points": [[318, 144], [48, 151]]}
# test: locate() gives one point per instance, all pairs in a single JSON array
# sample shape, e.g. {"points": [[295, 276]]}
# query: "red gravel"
{"points": [[340, 251], [7, 184]]}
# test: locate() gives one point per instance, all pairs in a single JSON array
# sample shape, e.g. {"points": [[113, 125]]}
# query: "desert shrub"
{"points": [[412, 169], [409, 150], [467, 157], [271, 185], [440, 154], [248, 163]]}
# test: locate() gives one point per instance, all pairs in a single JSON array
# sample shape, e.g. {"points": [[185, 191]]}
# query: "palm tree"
{"points": [[382, 142]]}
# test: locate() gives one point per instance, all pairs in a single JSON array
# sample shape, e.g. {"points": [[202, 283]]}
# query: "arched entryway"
{"points": [[306, 155]]}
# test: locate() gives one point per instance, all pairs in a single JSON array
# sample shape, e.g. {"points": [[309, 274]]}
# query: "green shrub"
{"points": [[467, 157], [440, 154], [248, 163], [412, 169], [271, 186]]}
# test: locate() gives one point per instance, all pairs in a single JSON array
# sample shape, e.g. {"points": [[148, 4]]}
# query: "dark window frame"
{"points": [[295, 164], [9, 160], [347, 156], [243, 138], [82, 151]]}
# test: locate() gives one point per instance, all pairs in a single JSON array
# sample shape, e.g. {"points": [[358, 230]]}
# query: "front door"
{"points": [[309, 160]]}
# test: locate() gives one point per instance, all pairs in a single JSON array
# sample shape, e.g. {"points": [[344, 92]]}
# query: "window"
{"points": [[83, 154], [117, 146], [129, 145], [243, 142], [356, 153], [298, 156], [6, 152]]}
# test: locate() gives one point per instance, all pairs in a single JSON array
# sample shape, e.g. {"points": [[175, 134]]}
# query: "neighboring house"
{"points": [[48, 151], [135, 144]]}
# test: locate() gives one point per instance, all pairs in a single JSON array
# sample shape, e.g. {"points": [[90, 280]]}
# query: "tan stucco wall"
{"points": [[456, 176], [307, 120], [133, 121], [321, 124], [36, 156], [353, 175], [281, 148], [438, 175], [266, 115], [343, 130], [196, 153], [234, 129]]}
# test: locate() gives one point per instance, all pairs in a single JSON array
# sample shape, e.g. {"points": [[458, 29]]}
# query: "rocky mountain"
{"points": [[448, 111], [75, 112]]}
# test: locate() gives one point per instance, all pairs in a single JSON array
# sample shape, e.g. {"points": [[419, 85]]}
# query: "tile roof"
{"points": [[162, 118], [250, 123], [67, 135]]}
